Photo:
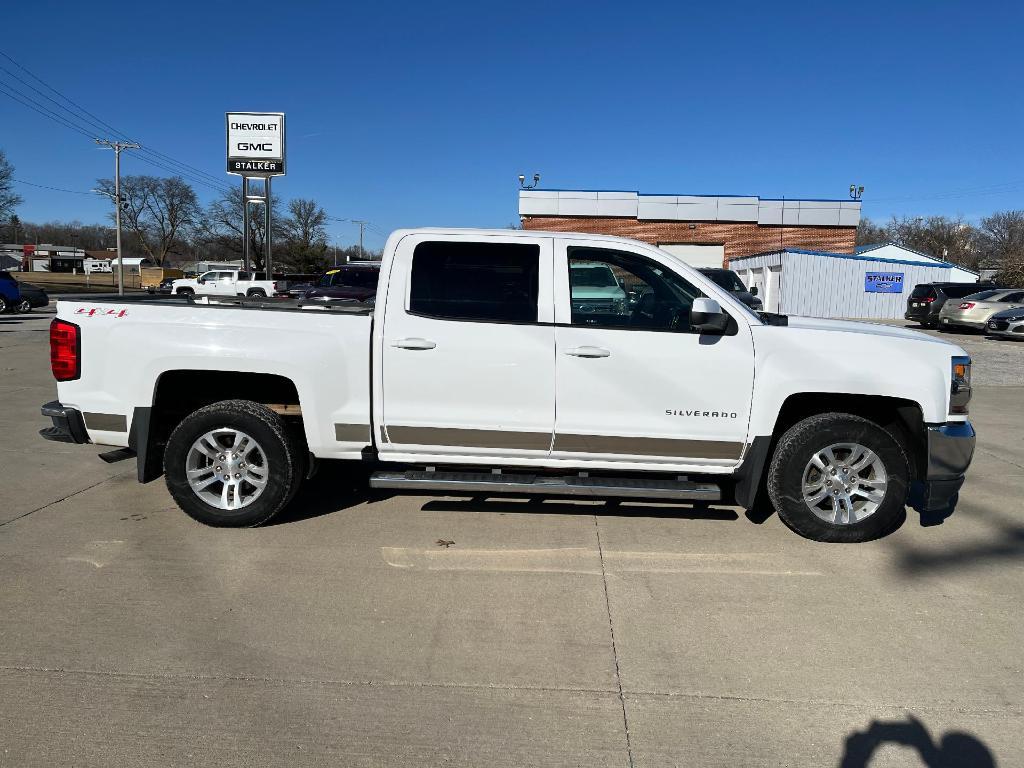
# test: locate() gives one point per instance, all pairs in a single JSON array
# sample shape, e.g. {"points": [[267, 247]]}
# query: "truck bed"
{"points": [[140, 351]]}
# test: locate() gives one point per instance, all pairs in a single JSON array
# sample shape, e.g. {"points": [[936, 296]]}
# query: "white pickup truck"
{"points": [[223, 282], [474, 374]]}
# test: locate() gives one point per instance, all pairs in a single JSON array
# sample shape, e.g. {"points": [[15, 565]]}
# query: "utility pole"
{"points": [[362, 225], [117, 146]]}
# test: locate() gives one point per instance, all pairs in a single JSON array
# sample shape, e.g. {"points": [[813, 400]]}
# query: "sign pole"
{"points": [[245, 223], [267, 236]]}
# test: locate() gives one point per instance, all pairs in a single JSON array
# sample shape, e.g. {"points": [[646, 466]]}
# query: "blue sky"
{"points": [[424, 114]]}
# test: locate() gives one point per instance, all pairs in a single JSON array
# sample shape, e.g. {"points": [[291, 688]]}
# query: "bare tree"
{"points": [[9, 199], [160, 212], [91, 237], [221, 227], [950, 239], [869, 233], [1001, 241], [305, 237]]}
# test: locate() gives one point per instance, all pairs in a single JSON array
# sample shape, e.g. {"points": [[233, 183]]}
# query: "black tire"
{"points": [[285, 457], [24, 307], [3, 305], [257, 293], [185, 292], [802, 441]]}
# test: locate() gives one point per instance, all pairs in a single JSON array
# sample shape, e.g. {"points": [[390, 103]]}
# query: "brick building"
{"points": [[703, 230]]}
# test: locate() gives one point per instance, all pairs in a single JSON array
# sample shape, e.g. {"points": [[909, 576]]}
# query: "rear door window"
{"points": [[982, 295], [959, 291], [489, 282], [1013, 298]]}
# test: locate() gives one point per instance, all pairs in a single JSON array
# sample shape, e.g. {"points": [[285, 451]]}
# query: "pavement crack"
{"points": [[241, 678], [58, 501], [1008, 711], [1000, 457], [611, 632]]}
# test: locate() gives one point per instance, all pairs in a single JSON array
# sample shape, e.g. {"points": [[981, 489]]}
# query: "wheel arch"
{"points": [[901, 417], [179, 392]]}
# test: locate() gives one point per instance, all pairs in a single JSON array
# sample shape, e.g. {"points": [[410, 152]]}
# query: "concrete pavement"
{"points": [[556, 633]]}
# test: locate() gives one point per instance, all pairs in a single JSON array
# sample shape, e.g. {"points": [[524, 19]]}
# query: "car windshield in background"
{"points": [[351, 278], [592, 277], [982, 295], [728, 280]]}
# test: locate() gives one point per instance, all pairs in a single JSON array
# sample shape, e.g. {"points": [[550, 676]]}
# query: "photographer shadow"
{"points": [[955, 749]]}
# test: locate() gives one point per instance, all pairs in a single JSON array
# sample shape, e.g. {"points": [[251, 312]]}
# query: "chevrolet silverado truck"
{"points": [[222, 282], [474, 374]]}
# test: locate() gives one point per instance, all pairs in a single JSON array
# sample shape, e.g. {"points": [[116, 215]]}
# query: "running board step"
{"points": [[569, 485]]}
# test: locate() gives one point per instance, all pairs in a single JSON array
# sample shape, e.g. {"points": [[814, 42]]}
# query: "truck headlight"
{"points": [[960, 385]]}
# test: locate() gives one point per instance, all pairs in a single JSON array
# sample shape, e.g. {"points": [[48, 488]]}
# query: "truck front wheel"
{"points": [[839, 478], [232, 464]]}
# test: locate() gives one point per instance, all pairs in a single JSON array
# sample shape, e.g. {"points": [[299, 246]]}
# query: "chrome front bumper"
{"points": [[950, 449]]}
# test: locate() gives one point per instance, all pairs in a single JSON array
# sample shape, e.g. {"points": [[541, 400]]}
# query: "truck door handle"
{"points": [[587, 352], [413, 343]]}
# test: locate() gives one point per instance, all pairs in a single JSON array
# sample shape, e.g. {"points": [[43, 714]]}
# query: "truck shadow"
{"points": [[1005, 544], [955, 749], [328, 492]]}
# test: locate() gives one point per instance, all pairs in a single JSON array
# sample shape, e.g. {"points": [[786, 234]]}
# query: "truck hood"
{"points": [[867, 329]]}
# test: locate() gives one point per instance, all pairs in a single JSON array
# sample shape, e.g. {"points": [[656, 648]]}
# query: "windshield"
{"points": [[727, 279], [596, 276], [350, 278]]}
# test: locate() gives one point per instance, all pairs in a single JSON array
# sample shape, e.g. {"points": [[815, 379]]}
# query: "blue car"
{"points": [[10, 294]]}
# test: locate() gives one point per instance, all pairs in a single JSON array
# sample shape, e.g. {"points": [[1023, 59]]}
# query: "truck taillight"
{"points": [[65, 350]]}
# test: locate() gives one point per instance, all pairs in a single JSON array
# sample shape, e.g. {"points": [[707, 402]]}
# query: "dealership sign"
{"points": [[883, 282], [255, 143]]}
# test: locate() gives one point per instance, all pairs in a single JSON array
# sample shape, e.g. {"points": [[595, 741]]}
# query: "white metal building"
{"points": [[872, 283]]}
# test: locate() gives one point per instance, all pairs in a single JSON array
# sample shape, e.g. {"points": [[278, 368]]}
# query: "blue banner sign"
{"points": [[883, 282]]}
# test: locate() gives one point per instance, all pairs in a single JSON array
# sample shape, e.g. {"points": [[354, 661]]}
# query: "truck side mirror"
{"points": [[753, 290], [706, 316]]}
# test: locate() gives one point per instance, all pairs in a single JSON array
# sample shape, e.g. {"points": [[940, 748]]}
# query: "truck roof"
{"points": [[531, 233]]}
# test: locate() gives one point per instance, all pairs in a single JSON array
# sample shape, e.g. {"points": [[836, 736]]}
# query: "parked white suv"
{"points": [[477, 373], [223, 283]]}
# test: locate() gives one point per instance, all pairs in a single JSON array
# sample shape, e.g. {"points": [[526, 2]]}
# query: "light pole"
{"points": [[362, 226], [117, 146]]}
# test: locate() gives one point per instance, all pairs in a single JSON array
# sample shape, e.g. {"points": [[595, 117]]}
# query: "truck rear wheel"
{"points": [[186, 292], [839, 478], [232, 464]]}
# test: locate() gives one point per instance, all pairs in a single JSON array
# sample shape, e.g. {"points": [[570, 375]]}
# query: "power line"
{"points": [[88, 119], [55, 189], [44, 112], [36, 106], [91, 118]]}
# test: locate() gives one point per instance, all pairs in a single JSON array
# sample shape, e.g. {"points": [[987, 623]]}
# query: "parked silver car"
{"points": [[975, 310], [1009, 324]]}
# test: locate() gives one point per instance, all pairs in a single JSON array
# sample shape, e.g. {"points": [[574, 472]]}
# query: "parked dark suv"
{"points": [[352, 281], [726, 278], [10, 294], [926, 300]]}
